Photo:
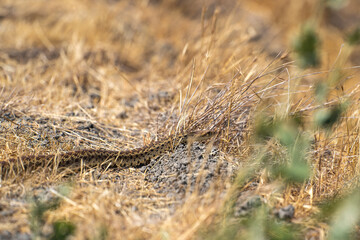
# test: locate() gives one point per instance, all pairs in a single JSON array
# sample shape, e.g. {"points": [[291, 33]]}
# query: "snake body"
{"points": [[92, 158]]}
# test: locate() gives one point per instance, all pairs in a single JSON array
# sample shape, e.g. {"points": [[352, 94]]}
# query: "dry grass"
{"points": [[116, 74]]}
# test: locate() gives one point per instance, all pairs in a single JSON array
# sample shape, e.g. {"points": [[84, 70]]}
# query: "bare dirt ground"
{"points": [[117, 75]]}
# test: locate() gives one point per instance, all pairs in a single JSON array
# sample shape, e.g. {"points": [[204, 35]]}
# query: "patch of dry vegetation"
{"points": [[116, 74]]}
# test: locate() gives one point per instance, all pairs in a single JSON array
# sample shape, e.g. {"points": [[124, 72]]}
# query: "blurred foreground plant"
{"points": [[61, 230]]}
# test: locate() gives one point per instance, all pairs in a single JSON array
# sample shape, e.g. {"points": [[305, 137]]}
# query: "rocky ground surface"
{"points": [[189, 168]]}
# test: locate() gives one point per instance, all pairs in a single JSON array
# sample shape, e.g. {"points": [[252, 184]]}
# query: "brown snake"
{"points": [[123, 159]]}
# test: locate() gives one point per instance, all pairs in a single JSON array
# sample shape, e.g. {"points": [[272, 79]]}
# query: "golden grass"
{"points": [[137, 70]]}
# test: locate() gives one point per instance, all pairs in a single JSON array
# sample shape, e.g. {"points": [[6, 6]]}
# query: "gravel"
{"points": [[186, 170]]}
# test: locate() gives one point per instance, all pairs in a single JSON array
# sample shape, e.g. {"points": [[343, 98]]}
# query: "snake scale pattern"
{"points": [[92, 158]]}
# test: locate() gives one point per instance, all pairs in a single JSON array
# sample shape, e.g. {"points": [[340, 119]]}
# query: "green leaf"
{"points": [[321, 91], [326, 118], [264, 127], [286, 134], [306, 47], [353, 38], [62, 230], [336, 4], [297, 171], [345, 218]]}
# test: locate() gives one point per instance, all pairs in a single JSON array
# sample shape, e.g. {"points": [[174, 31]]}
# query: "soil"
{"points": [[190, 168], [187, 169]]}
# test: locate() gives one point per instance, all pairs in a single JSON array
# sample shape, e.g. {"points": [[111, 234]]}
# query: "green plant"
{"points": [[61, 230]]}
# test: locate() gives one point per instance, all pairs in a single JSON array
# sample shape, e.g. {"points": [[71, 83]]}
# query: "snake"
{"points": [[136, 157]]}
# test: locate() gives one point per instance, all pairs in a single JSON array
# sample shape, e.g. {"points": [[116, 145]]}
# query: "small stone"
{"points": [[244, 207], [122, 115], [285, 213]]}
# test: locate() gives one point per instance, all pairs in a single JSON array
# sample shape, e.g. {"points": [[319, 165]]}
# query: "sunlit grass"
{"points": [[116, 74]]}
